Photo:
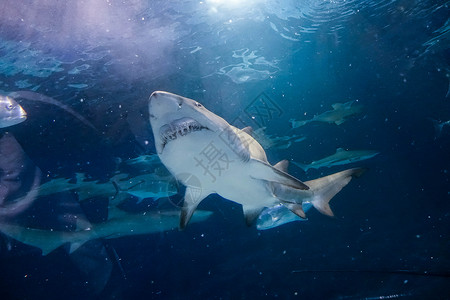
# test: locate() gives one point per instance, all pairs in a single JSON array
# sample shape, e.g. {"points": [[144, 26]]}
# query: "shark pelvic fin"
{"points": [[251, 213], [264, 171], [192, 199]]}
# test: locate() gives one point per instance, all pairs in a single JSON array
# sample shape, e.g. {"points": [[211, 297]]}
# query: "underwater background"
{"points": [[84, 70]]}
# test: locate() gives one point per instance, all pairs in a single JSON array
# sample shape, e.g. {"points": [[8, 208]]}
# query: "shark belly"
{"points": [[216, 168]]}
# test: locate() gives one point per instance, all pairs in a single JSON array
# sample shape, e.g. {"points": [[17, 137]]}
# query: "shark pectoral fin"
{"points": [[264, 171], [295, 208], [192, 199], [251, 213], [282, 165], [339, 122]]}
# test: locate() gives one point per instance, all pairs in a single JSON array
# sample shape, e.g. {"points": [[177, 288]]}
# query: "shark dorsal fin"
{"points": [[248, 130], [282, 165], [340, 150]]}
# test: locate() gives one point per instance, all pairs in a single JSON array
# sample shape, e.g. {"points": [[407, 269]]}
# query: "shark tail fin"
{"points": [[327, 187]]}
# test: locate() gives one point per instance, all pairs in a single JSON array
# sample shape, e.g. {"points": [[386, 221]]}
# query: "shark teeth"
{"points": [[178, 128]]}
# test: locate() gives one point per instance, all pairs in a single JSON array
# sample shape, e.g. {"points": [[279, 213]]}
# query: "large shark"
{"points": [[341, 157], [339, 114], [120, 223], [208, 156], [11, 113]]}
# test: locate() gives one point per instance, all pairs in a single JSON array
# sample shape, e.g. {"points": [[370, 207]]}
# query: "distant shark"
{"points": [[339, 114], [208, 156], [117, 188], [120, 223], [341, 157], [11, 113]]}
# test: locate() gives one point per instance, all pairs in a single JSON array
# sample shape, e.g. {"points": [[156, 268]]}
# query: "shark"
{"points": [[119, 224], [340, 157], [210, 156], [11, 113], [339, 114]]}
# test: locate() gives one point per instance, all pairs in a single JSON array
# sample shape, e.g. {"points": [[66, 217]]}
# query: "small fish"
{"points": [[11, 113], [341, 157], [278, 215]]}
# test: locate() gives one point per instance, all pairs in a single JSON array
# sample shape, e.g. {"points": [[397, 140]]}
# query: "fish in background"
{"points": [[11, 113], [278, 215], [142, 187], [439, 126], [341, 157], [339, 114], [119, 224]]}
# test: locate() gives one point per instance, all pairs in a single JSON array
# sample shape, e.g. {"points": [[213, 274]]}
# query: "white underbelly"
{"points": [[203, 158]]}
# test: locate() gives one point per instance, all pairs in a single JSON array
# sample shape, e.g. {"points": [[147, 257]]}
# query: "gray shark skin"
{"points": [[11, 113], [339, 114], [341, 157], [119, 224], [208, 156]]}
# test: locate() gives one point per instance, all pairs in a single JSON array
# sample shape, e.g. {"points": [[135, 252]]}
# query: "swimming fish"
{"points": [[208, 155], [278, 215], [11, 113]]}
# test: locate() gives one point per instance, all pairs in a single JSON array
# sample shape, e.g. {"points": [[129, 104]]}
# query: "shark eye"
{"points": [[198, 104]]}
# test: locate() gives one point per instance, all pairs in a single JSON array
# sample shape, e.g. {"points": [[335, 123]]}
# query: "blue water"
{"points": [[390, 235]]}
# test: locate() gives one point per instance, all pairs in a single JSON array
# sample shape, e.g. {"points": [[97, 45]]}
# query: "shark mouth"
{"points": [[178, 128]]}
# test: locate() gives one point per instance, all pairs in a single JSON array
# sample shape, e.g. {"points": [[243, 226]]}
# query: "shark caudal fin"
{"points": [[326, 187]]}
